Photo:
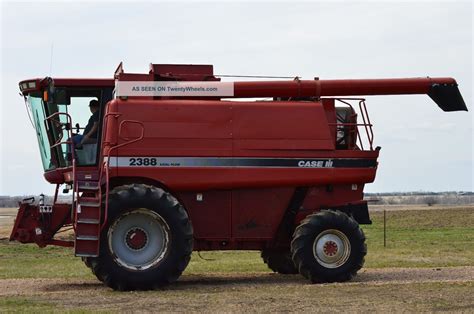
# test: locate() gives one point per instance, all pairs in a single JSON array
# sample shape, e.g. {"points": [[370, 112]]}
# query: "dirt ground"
{"points": [[391, 289], [377, 289], [376, 277]]}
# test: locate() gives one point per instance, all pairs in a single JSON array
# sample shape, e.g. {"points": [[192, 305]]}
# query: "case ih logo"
{"points": [[315, 163]]}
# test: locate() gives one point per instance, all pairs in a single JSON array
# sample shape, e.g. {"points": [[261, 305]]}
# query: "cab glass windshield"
{"points": [[68, 126], [36, 105]]}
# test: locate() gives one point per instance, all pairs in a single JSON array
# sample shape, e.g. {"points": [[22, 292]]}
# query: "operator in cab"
{"points": [[90, 132]]}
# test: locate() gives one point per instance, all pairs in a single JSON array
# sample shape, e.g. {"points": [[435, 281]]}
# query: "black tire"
{"points": [[89, 262], [328, 246], [279, 260], [135, 207]]}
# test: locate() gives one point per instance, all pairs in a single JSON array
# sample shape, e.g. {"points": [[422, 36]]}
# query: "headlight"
{"points": [[28, 85]]}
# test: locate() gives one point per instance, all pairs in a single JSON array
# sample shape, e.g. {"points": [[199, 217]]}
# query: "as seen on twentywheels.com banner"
{"points": [[176, 89]]}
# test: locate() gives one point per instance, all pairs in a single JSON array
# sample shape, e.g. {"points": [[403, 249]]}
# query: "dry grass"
{"points": [[377, 208], [246, 292], [7, 215], [51, 279]]}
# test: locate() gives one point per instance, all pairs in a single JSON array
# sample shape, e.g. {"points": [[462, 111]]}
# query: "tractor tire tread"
{"points": [[122, 196], [279, 261], [305, 235]]}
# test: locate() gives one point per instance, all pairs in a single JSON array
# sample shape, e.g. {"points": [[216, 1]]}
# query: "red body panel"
{"points": [[194, 128], [237, 203]]}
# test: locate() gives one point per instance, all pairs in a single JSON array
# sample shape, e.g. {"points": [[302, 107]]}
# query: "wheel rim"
{"points": [[139, 239], [331, 248]]}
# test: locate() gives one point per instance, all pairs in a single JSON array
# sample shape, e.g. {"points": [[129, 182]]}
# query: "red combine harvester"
{"points": [[155, 177]]}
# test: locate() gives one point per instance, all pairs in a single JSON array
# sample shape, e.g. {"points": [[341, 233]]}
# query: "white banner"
{"points": [[174, 89]]}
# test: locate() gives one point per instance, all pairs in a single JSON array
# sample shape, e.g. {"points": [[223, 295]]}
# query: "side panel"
{"points": [[242, 214], [330, 196], [280, 126], [210, 213], [177, 128], [256, 214], [196, 129]]}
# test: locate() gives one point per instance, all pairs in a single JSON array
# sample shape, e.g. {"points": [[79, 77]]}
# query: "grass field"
{"points": [[401, 276]]}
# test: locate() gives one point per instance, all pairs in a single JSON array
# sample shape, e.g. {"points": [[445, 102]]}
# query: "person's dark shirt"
{"points": [[93, 119]]}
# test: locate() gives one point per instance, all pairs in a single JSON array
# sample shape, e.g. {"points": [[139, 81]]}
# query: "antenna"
{"points": [[51, 61]]}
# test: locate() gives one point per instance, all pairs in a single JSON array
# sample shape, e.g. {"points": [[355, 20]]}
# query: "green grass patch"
{"points": [[39, 304], [226, 262], [25, 305], [30, 261], [424, 238]]}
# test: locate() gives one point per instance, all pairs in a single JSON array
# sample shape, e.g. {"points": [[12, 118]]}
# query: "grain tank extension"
{"points": [[154, 176]]}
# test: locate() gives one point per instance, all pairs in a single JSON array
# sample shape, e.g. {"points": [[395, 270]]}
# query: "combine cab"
{"points": [[164, 163]]}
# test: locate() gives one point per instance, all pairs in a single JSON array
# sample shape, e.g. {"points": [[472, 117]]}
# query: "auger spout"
{"points": [[443, 91]]}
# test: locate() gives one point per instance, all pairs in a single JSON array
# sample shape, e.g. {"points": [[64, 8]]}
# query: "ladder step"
{"points": [[88, 186], [88, 199], [87, 238], [90, 221], [86, 255], [87, 176], [86, 248], [87, 213], [87, 230], [89, 204]]}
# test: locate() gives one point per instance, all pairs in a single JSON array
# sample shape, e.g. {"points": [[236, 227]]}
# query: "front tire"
{"points": [[147, 242], [328, 247]]}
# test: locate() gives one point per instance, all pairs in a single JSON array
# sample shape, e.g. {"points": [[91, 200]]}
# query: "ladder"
{"points": [[87, 220]]}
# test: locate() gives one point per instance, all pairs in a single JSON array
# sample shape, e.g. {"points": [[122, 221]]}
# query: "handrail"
{"points": [[73, 158], [106, 164], [103, 132], [57, 122], [70, 142], [368, 125], [365, 121]]}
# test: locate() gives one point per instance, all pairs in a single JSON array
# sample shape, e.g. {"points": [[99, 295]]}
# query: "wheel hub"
{"points": [[136, 238], [331, 248], [139, 239]]}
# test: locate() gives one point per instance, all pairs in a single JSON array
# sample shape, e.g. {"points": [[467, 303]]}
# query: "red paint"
{"points": [[136, 239], [318, 88], [330, 248]]}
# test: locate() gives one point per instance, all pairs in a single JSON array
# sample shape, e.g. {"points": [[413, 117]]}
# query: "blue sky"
{"points": [[423, 148]]}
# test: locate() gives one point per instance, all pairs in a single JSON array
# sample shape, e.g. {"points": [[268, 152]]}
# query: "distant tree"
{"points": [[430, 200]]}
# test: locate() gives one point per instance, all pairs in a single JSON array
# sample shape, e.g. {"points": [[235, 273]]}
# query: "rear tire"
{"points": [[279, 260], [328, 247], [147, 242]]}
